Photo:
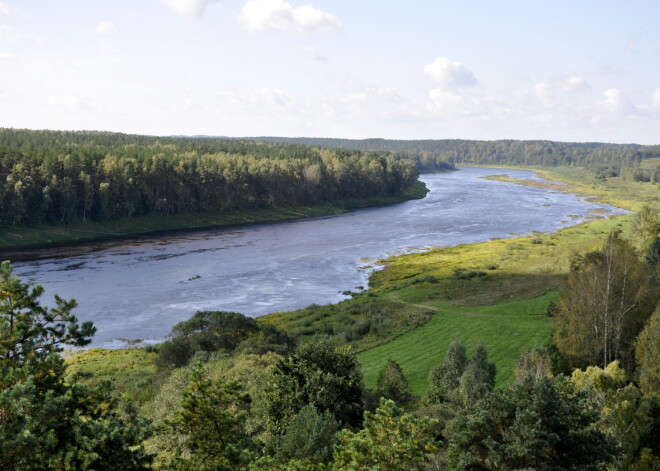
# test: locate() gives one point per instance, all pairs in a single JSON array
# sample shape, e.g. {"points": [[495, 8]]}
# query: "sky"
{"points": [[586, 70]]}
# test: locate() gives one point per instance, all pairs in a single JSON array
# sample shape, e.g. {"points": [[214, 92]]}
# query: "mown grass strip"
{"points": [[508, 329]]}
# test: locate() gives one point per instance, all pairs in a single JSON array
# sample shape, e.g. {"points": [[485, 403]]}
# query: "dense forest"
{"points": [[58, 177], [604, 159]]}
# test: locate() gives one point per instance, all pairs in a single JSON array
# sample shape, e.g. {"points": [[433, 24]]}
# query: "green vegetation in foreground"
{"points": [[133, 371], [36, 236]]}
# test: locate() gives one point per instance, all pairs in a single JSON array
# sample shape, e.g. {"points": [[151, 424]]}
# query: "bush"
{"points": [[220, 331]]}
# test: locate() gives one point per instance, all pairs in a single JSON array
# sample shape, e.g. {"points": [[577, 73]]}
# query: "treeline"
{"points": [[604, 159], [58, 177]]}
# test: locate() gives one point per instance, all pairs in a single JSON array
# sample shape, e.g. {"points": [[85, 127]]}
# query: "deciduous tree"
{"points": [[608, 297]]}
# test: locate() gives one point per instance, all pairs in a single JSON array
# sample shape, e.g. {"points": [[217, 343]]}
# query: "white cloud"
{"points": [[189, 8], [5, 9], [314, 53], [576, 83], [105, 27], [448, 103], [617, 102], [10, 35], [655, 98], [263, 15], [450, 74]]}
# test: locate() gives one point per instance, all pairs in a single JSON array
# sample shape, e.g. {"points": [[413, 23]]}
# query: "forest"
{"points": [[606, 160], [58, 177]]}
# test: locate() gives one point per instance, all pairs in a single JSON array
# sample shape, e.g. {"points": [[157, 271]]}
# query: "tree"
{"points": [[532, 425], [647, 354], [392, 384], [625, 414], [213, 331], [389, 441], [317, 374], [478, 379], [211, 419], [645, 227], [46, 423], [309, 436], [535, 363], [444, 379], [608, 296]]}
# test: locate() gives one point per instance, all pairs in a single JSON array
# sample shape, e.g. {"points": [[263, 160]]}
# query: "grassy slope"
{"points": [[23, 237], [522, 278]]}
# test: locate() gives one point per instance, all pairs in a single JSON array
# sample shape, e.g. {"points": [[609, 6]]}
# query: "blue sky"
{"points": [[562, 70]]}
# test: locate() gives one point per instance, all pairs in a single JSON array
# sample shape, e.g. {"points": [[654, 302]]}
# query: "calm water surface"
{"points": [[138, 289]]}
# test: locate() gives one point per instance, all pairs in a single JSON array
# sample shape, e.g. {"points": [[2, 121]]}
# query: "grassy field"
{"points": [[507, 330], [24, 237], [133, 371]]}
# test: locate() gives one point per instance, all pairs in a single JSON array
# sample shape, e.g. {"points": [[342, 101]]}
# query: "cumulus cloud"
{"points": [[105, 27], [263, 15], [617, 102], [189, 8], [449, 74], [576, 83]]}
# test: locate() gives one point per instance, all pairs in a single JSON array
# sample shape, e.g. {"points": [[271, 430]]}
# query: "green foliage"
{"points": [[645, 227], [309, 436], [459, 381], [212, 418], [362, 321], [625, 414], [604, 159], [648, 356], [132, 371], [445, 378], [535, 363], [389, 441], [58, 177], [219, 331], [45, 422], [533, 425], [608, 297], [478, 379], [253, 372], [392, 384], [317, 374]]}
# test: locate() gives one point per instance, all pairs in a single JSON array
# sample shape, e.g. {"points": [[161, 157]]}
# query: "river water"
{"points": [[136, 290]]}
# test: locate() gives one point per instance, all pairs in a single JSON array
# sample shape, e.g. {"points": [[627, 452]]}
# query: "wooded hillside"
{"points": [[54, 177]]}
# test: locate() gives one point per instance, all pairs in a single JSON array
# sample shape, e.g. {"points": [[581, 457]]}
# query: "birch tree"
{"points": [[607, 299]]}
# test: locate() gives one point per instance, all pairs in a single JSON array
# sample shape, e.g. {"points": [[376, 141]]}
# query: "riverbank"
{"points": [[14, 240], [497, 291], [614, 191]]}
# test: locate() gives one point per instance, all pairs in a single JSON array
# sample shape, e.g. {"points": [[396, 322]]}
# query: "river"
{"points": [[136, 290]]}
